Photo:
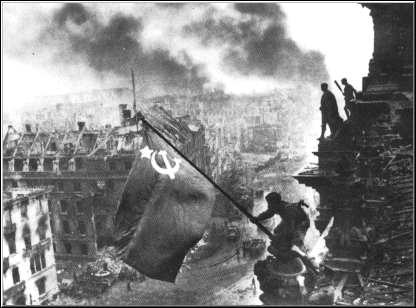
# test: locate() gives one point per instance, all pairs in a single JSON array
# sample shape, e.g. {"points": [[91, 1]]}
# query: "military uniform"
{"points": [[293, 227], [330, 114], [349, 92]]}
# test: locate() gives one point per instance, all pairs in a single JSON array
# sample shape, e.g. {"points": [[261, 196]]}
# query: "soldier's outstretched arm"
{"points": [[266, 214], [355, 91]]}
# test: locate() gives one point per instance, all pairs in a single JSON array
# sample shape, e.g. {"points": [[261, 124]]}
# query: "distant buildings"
{"points": [[29, 272], [87, 170]]}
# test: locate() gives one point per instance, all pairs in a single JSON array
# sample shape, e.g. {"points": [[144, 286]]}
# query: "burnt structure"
{"points": [[29, 271], [364, 174], [87, 170]]}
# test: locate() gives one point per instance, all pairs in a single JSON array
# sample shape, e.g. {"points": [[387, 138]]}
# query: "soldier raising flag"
{"points": [[349, 94], [164, 208]]}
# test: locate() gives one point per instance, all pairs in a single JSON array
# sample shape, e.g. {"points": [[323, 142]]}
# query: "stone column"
{"points": [[40, 165], [11, 166], [56, 165]]}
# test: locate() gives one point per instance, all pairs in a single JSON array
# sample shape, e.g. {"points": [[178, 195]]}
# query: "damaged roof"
{"points": [[103, 142]]}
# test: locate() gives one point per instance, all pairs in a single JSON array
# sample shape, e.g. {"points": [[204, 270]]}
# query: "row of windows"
{"points": [[82, 229], [79, 207], [37, 263], [40, 283], [112, 165], [60, 185], [64, 165], [11, 239], [23, 210], [77, 186], [83, 248]]}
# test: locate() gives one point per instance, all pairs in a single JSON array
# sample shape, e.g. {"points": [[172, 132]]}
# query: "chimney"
{"points": [[81, 126], [121, 109], [28, 128]]}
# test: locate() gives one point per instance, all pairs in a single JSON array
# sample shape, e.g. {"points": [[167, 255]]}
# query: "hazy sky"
{"points": [[51, 48]]}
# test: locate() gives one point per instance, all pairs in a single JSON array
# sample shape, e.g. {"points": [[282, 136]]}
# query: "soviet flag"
{"points": [[163, 212]]}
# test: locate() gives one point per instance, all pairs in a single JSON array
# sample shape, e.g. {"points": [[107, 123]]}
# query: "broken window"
{"points": [[37, 262], [42, 259], [64, 206], [28, 241], [39, 208], [33, 164], [68, 248], [79, 163], [11, 241], [77, 186], [66, 227], [112, 165], [53, 146], [81, 227], [61, 186], [84, 249], [18, 165], [48, 164], [127, 165], [42, 233], [8, 218], [41, 285], [16, 275], [79, 207], [52, 227], [23, 208]]}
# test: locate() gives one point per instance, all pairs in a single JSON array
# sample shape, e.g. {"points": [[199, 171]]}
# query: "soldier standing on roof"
{"points": [[349, 94], [329, 110]]}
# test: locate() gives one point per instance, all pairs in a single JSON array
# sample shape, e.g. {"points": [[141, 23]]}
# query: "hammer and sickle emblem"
{"points": [[168, 170]]}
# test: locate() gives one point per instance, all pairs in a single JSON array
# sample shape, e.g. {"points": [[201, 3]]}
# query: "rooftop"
{"points": [[12, 195], [104, 142]]}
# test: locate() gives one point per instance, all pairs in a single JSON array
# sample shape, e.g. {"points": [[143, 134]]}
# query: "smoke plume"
{"points": [[115, 47], [174, 48], [257, 44]]}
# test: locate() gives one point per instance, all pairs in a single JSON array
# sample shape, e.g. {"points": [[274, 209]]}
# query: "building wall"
{"points": [[21, 259], [94, 179]]}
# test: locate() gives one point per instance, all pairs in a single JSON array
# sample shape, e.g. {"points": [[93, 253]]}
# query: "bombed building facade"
{"points": [[364, 177], [87, 169], [29, 272]]}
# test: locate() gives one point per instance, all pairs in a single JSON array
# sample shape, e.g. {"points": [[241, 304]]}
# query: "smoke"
{"points": [[257, 44], [174, 48], [115, 47], [260, 9]]}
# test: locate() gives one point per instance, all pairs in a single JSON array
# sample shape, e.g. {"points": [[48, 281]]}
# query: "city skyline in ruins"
{"points": [[173, 49]]}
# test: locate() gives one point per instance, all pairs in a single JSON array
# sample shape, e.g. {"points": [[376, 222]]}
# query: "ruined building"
{"points": [[29, 273], [365, 172], [87, 170], [365, 175]]}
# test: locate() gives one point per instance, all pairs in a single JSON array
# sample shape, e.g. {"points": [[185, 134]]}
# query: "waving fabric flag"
{"points": [[163, 212]]}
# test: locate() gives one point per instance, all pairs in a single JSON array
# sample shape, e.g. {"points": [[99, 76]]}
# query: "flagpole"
{"points": [[254, 220]]}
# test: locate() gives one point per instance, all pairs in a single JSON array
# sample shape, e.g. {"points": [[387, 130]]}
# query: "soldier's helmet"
{"points": [[324, 86], [344, 80], [273, 198]]}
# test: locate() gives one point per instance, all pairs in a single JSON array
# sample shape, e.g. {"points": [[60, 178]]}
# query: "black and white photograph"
{"points": [[207, 153]]}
